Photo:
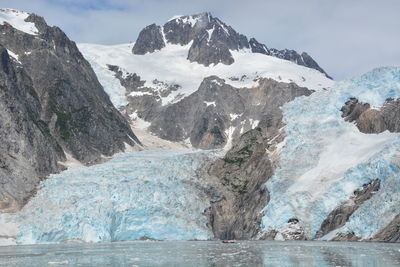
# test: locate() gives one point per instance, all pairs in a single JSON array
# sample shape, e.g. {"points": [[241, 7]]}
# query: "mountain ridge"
{"points": [[213, 41]]}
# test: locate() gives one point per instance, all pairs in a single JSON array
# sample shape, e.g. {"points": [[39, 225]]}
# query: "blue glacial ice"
{"points": [[111, 85], [324, 159], [149, 194]]}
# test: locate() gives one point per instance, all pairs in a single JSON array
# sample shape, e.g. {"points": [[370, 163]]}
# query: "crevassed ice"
{"points": [[148, 194], [111, 85], [325, 159]]}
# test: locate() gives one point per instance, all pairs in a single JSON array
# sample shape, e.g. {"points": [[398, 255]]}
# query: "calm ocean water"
{"points": [[204, 253]]}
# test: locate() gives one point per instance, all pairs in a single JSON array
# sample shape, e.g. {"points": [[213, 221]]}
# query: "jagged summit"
{"points": [[211, 41]]}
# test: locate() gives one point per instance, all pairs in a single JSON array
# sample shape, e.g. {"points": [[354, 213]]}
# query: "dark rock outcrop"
{"points": [[52, 103], [346, 237], [340, 215], [257, 47], [391, 233], [150, 39], [302, 59], [205, 52], [370, 120]]}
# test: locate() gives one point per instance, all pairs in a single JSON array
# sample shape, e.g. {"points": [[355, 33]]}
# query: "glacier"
{"points": [[138, 195], [324, 159]]}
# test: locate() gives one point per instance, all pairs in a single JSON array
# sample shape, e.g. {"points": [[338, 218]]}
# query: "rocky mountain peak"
{"points": [[150, 39], [211, 41], [211, 38]]}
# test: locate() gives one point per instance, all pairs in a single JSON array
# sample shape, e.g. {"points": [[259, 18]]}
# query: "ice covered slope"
{"points": [[138, 195], [170, 66], [324, 159]]}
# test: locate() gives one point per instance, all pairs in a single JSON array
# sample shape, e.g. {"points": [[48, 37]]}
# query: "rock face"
{"points": [[27, 150], [51, 103], [215, 114], [212, 116], [211, 41], [339, 216], [302, 59], [150, 39], [370, 120], [390, 233], [241, 175]]}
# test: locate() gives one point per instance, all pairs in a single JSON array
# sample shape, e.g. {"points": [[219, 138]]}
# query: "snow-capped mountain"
{"points": [[164, 83], [212, 41]]}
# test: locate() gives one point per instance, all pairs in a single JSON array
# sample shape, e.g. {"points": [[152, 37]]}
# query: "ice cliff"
{"points": [[140, 195]]}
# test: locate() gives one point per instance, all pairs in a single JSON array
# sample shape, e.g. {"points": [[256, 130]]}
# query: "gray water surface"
{"points": [[203, 253]]}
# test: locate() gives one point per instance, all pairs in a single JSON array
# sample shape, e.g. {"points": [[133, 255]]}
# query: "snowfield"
{"points": [[170, 65]]}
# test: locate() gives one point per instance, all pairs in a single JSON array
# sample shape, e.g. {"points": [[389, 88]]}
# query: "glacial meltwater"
{"points": [[203, 253]]}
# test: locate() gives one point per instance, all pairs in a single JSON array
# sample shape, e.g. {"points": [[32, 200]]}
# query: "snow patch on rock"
{"points": [[16, 19]]}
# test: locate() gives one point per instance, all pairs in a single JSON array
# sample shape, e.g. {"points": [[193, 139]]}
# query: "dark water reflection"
{"points": [[256, 253]]}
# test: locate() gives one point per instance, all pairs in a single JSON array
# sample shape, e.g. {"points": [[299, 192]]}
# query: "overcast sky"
{"points": [[346, 37]]}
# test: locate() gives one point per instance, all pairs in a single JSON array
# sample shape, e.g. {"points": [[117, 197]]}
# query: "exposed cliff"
{"points": [[240, 176], [52, 104]]}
